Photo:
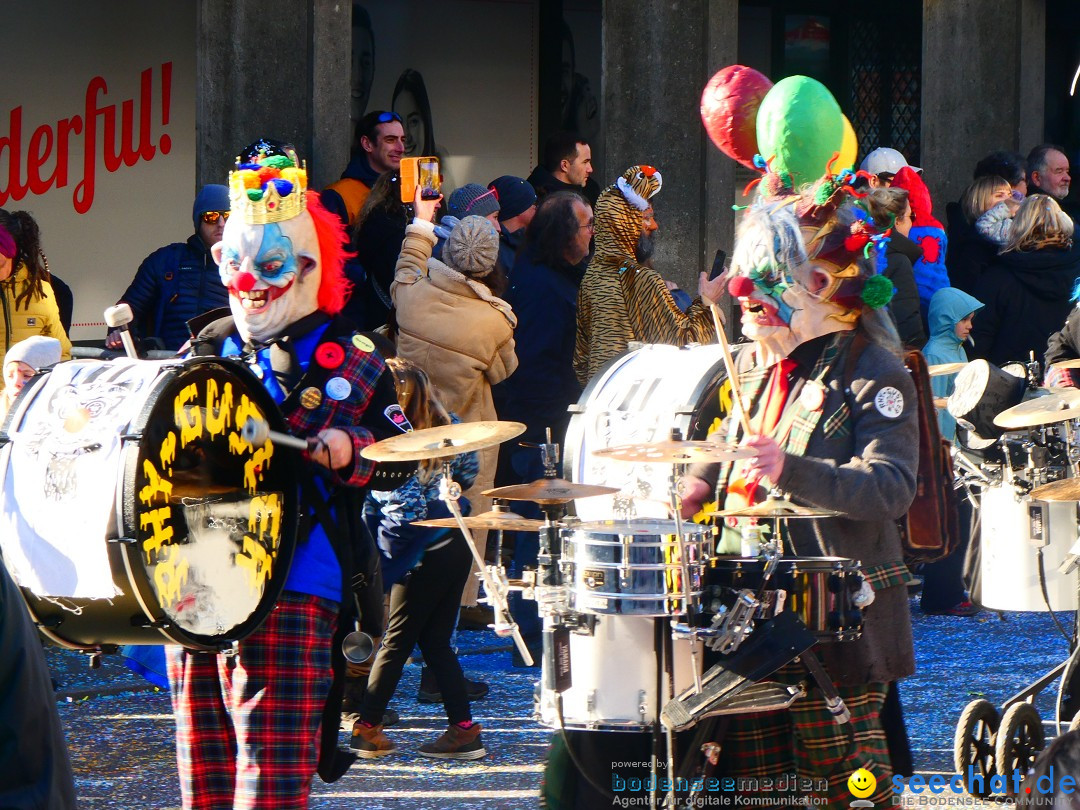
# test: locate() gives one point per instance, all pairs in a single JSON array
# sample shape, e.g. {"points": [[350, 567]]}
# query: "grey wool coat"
{"points": [[860, 459]]}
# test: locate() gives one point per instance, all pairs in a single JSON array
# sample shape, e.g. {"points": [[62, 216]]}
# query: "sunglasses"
{"points": [[211, 217], [387, 117]]}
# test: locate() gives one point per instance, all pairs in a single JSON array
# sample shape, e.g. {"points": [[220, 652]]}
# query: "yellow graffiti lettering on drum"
{"points": [[170, 575], [253, 467], [162, 534], [218, 412], [168, 451], [264, 518], [189, 420], [155, 484], [257, 561], [237, 444]]}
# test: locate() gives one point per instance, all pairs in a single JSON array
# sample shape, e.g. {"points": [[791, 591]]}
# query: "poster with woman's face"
{"points": [[460, 99]]}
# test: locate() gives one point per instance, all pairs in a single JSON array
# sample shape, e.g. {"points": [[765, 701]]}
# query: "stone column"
{"points": [[261, 75], [983, 86], [658, 56]]}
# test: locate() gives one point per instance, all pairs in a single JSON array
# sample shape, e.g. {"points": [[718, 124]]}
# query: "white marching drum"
{"points": [[618, 681], [1014, 528], [640, 397]]}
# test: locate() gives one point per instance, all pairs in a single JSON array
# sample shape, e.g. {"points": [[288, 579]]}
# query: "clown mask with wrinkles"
{"points": [[272, 272]]}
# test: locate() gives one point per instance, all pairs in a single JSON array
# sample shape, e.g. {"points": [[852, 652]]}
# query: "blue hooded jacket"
{"points": [[948, 307]]}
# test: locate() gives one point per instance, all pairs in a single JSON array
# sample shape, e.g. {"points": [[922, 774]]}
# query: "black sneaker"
{"points": [[429, 691], [456, 743]]}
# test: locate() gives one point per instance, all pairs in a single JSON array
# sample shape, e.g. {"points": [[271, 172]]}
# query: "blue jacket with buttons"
{"points": [[173, 285]]}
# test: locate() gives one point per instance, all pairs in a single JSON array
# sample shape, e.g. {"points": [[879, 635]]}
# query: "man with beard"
{"points": [[248, 725], [621, 298]]}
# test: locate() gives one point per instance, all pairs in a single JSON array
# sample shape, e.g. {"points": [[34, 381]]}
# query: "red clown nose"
{"points": [[245, 282], [740, 287]]}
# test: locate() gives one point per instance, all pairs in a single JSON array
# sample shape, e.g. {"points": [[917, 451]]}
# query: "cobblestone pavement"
{"points": [[120, 730]]}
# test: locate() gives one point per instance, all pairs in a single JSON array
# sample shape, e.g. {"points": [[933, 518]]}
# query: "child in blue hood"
{"points": [[950, 316]]}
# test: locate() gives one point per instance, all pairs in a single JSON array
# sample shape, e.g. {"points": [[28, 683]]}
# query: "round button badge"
{"points": [[329, 355], [338, 388], [310, 398], [362, 343]]}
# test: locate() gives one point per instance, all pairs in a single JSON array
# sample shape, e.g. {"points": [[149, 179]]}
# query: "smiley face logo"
{"points": [[862, 783]]}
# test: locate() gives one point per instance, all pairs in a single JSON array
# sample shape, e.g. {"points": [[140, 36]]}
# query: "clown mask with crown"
{"points": [[281, 254]]}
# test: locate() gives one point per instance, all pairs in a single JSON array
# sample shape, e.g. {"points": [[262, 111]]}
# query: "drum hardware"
{"points": [[357, 647]]}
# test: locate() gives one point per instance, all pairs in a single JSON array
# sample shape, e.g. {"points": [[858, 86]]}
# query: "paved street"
{"points": [[121, 736]]}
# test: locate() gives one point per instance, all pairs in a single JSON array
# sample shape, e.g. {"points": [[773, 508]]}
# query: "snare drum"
{"points": [[819, 590], [632, 567], [1013, 528], [614, 672], [133, 510]]}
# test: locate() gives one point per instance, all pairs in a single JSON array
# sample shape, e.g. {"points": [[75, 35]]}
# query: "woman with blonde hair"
{"points": [[973, 249], [1027, 289]]}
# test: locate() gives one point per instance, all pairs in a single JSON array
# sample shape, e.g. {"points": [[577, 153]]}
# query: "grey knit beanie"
{"points": [[37, 352], [472, 247]]}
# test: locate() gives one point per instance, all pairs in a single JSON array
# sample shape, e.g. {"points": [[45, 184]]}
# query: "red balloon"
{"points": [[729, 106]]}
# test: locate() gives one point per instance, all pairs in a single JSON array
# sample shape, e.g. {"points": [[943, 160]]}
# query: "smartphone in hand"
{"points": [[718, 263], [423, 172]]}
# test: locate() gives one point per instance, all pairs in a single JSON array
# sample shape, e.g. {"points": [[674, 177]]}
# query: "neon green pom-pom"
{"points": [[877, 292], [277, 161], [254, 194]]}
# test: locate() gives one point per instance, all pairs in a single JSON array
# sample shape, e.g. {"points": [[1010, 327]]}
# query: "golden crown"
{"points": [[268, 189]]}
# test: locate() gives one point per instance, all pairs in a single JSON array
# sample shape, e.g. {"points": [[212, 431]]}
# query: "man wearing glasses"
{"points": [[179, 281], [378, 144]]}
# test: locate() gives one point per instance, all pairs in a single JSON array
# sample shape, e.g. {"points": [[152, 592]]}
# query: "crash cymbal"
{"points": [[1044, 410], [944, 368], [1063, 364], [1067, 489], [439, 442], [776, 508], [549, 490], [498, 519], [675, 452]]}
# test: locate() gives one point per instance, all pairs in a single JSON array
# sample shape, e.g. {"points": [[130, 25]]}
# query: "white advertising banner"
{"points": [[97, 137]]}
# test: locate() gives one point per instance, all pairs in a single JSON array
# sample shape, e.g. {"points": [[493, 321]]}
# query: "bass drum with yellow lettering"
{"points": [[132, 511]]}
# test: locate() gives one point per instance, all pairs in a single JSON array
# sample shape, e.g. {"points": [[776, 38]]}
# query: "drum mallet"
{"points": [[256, 432], [118, 317]]}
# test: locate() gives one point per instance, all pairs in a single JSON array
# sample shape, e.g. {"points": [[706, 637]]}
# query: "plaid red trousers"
{"points": [[247, 726]]}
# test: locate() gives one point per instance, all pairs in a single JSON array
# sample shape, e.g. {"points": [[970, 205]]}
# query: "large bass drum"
{"points": [[639, 397], [134, 512]]}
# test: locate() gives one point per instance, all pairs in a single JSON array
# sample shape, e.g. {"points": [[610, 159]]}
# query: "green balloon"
{"points": [[799, 126]]}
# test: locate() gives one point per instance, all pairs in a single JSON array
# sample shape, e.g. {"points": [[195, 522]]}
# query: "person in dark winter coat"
{"points": [[1027, 290], [566, 166], [179, 281], [378, 145], [971, 252], [890, 208], [376, 239]]}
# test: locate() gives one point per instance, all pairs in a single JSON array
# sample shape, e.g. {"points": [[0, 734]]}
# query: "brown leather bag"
{"points": [[931, 529]]}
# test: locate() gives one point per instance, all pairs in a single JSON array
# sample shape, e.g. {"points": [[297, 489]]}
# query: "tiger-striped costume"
{"points": [[621, 300]]}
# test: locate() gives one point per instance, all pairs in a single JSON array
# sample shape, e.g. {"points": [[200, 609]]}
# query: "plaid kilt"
{"points": [[247, 727], [806, 740]]}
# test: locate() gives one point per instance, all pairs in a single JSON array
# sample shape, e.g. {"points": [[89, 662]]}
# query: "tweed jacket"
{"points": [[860, 458]]}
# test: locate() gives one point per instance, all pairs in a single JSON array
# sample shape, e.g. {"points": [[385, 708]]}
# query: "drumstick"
{"points": [[733, 375]]}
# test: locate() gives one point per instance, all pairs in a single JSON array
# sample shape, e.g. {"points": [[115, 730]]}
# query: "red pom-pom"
{"points": [[856, 242], [267, 173], [740, 287]]}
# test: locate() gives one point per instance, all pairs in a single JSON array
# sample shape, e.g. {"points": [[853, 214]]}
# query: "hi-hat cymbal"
{"points": [[1067, 489], [675, 452], [1063, 364], [944, 368], [776, 508], [549, 491], [498, 519], [1056, 407], [439, 442]]}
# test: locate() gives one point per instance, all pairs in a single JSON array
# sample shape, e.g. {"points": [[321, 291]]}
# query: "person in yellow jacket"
{"points": [[27, 302]]}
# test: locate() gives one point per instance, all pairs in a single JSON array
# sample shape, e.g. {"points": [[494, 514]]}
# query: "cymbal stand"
{"points": [[496, 585], [676, 503]]}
